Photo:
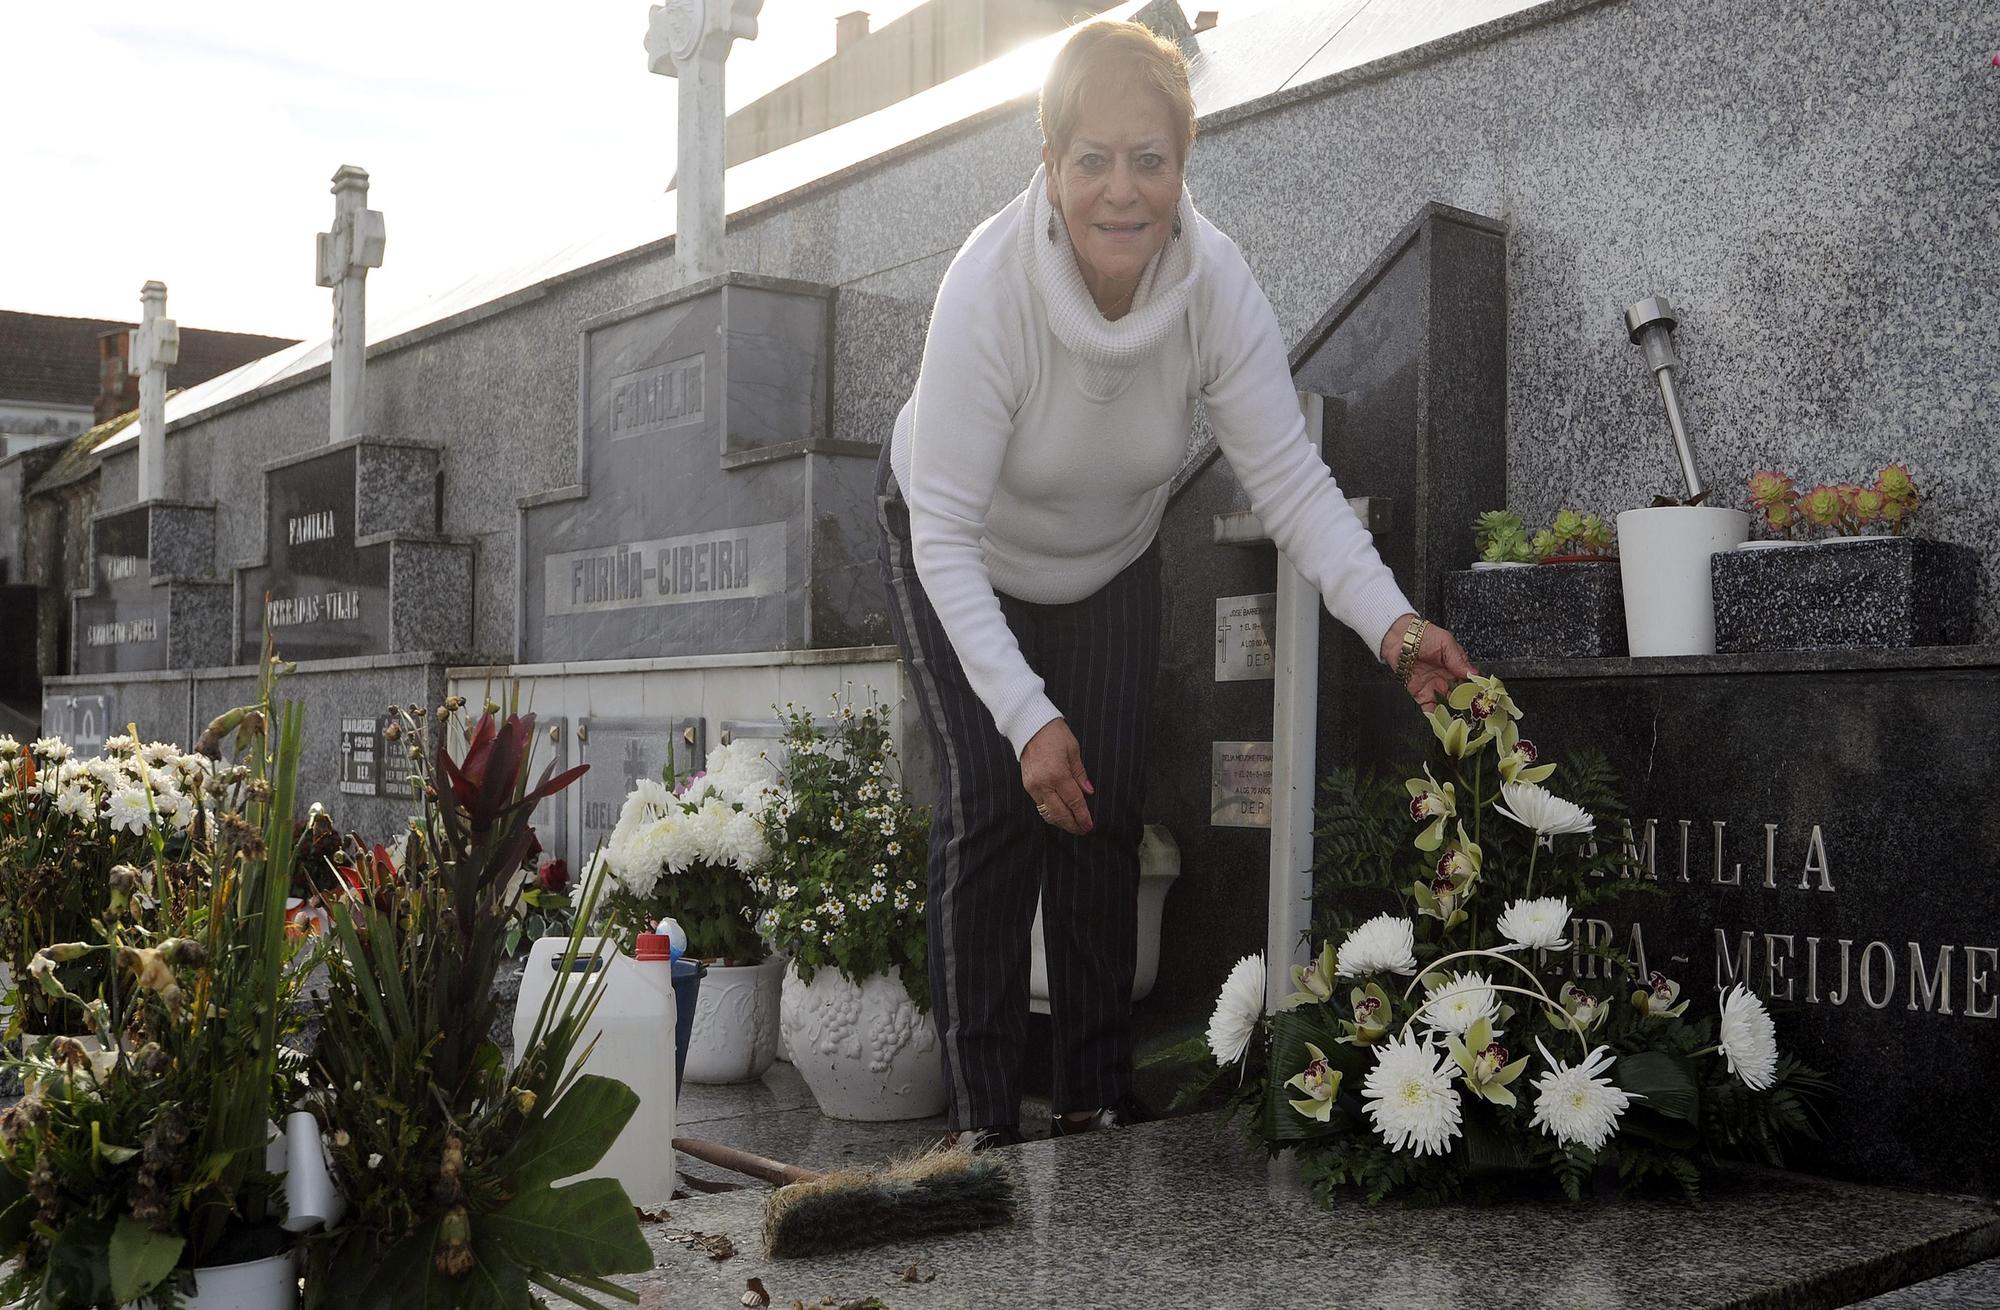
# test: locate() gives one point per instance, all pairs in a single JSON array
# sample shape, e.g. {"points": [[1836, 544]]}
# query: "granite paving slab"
{"points": [[1185, 1213]]}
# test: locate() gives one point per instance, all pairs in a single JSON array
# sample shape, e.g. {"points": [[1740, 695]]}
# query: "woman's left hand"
{"points": [[1440, 661]]}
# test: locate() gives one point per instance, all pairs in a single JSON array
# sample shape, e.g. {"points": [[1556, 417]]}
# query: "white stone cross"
{"points": [[689, 40], [151, 349], [345, 255]]}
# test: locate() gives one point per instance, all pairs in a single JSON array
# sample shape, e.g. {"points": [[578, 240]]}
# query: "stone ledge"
{"points": [[1790, 661]]}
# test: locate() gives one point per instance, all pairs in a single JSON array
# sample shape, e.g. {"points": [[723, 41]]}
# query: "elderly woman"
{"points": [[1020, 497]]}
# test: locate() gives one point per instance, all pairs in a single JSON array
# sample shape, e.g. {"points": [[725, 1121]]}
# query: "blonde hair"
{"points": [[1099, 51]]}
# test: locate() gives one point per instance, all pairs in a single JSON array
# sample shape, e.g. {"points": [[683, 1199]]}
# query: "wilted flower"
{"points": [[1410, 1098], [1748, 1039], [1575, 1104], [1317, 1084], [554, 876], [1237, 1010], [1384, 944]]}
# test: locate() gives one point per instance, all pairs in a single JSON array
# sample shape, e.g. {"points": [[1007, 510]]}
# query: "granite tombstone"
{"points": [[354, 563], [1814, 824], [155, 603], [714, 514]]}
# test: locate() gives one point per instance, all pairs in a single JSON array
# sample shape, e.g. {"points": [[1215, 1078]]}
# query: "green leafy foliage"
{"points": [[138, 1148], [446, 1156], [847, 852]]}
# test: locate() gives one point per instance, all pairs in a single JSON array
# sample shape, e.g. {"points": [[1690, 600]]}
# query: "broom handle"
{"points": [[774, 1172]]}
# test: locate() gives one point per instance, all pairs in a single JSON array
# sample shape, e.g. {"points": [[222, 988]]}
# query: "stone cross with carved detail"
{"points": [[151, 349], [690, 40], [345, 255]]}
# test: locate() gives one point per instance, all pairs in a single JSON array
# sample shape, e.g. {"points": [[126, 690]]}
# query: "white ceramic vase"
{"points": [[268, 1284], [1663, 559], [863, 1050], [735, 1035]]}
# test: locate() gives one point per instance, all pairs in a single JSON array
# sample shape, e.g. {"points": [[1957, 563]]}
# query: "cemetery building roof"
{"points": [[79, 457], [1292, 50], [54, 359]]}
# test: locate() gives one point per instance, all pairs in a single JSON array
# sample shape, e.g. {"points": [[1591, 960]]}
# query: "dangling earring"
{"points": [[1177, 227], [1052, 226]]}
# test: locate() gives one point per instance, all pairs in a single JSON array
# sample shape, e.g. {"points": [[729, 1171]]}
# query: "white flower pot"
{"points": [[1663, 563], [268, 1284], [864, 1051], [735, 1036]]}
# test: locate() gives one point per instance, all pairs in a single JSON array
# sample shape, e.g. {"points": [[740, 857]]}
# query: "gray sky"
{"points": [[194, 142]]}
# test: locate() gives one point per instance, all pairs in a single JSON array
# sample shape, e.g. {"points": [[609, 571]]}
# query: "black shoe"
{"points": [[981, 1139], [1128, 1111]]}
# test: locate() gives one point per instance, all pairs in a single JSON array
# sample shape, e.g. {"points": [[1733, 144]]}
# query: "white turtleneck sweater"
{"points": [[1039, 446]]}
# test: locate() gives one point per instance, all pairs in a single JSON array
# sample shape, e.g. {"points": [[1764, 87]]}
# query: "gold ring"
{"points": [[1042, 810]]}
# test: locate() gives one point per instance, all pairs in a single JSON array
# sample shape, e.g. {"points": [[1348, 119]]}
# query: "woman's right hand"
{"points": [[1052, 774]]}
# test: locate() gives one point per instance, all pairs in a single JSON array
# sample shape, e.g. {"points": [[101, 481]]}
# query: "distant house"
{"points": [[64, 391], [872, 70], [59, 376]]}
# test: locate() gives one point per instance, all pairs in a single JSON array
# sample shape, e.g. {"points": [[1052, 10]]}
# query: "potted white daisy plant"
{"points": [[1430, 1048]]}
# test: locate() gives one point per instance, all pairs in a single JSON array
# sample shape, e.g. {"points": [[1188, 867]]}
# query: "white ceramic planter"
{"points": [[1663, 563], [735, 1035], [268, 1284], [864, 1051]]}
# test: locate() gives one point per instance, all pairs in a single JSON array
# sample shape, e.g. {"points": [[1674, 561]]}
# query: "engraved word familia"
{"points": [[664, 396]]}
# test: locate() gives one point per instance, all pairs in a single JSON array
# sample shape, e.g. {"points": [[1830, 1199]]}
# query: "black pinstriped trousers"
{"points": [[990, 853]]}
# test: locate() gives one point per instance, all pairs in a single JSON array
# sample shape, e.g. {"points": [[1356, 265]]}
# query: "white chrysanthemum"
{"points": [[1237, 1010], [1536, 924], [51, 748], [71, 770], [1575, 1104], [160, 752], [105, 771], [174, 807], [1749, 1039], [119, 744], [1459, 1001], [1544, 811], [743, 841], [1384, 944], [77, 802], [129, 810], [1410, 1097]]}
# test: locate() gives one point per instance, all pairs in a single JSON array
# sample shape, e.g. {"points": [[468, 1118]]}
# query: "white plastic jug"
{"points": [[634, 1032]]}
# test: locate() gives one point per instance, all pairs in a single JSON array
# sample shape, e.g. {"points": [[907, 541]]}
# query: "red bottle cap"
{"points": [[653, 946]]}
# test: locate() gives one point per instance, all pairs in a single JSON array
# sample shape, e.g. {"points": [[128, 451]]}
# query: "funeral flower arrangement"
{"points": [[138, 1151], [847, 852], [66, 823], [1450, 1035], [694, 850], [445, 1154]]}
